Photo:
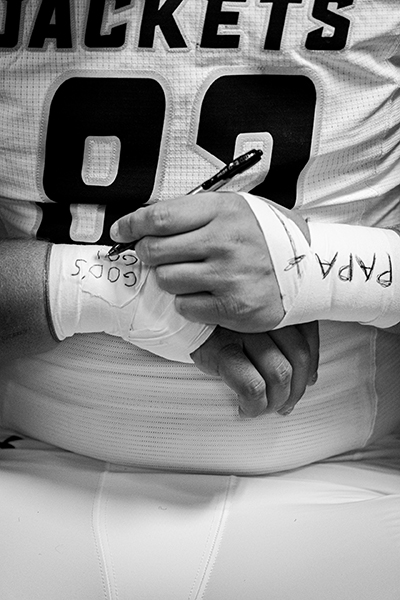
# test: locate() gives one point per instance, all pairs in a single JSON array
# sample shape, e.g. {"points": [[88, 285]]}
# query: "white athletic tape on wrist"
{"points": [[89, 292], [349, 273], [288, 248]]}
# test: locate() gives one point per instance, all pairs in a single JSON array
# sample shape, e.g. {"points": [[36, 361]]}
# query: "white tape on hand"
{"points": [[90, 292], [348, 273], [289, 250]]}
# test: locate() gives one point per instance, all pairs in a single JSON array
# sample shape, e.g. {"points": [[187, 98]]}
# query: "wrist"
{"points": [[346, 273], [354, 276], [86, 288], [90, 292]]}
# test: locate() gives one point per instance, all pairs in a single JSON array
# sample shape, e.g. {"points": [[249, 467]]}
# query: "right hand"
{"points": [[209, 251], [268, 371]]}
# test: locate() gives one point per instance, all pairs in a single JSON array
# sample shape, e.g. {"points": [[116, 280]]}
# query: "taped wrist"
{"points": [[90, 292], [348, 273]]}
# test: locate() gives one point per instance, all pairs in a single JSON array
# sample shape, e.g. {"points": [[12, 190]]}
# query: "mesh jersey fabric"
{"points": [[92, 124]]}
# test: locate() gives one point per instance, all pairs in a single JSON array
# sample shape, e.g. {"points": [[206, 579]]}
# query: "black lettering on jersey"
{"points": [[215, 16], [12, 21], [154, 16], [53, 22], [94, 38], [277, 21], [316, 40]]}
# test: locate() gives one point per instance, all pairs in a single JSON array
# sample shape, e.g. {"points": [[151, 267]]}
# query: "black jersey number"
{"points": [[282, 105], [130, 109], [133, 110]]}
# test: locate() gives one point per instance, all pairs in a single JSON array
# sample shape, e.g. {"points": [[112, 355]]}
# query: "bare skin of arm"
{"points": [[23, 322]]}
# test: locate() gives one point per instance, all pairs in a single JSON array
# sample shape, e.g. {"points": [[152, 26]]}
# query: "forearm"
{"points": [[344, 273], [24, 325], [36, 292]]}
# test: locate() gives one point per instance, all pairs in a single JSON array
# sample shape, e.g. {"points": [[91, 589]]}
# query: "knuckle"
{"points": [[235, 237], [228, 241], [183, 307], [231, 208], [255, 388], [160, 216], [220, 242], [127, 224], [303, 358], [211, 240], [153, 248], [160, 275], [282, 374], [148, 250], [141, 249], [163, 278], [223, 337], [226, 311], [239, 312], [232, 202], [230, 350], [208, 242], [205, 360], [140, 217]]}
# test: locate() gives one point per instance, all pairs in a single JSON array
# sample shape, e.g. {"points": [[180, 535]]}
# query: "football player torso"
{"points": [[105, 106]]}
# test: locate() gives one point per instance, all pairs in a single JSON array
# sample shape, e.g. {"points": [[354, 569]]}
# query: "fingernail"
{"points": [[313, 379], [286, 411], [243, 415], [114, 231]]}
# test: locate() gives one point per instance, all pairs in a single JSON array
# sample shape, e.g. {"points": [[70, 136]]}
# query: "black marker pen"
{"points": [[238, 165]]}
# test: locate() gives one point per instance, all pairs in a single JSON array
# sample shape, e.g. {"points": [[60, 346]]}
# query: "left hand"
{"points": [[210, 252], [269, 372]]}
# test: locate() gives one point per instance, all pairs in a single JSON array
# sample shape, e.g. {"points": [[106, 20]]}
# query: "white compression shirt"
{"points": [[100, 396]]}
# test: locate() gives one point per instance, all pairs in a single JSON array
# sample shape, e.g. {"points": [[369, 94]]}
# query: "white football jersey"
{"points": [[105, 106]]}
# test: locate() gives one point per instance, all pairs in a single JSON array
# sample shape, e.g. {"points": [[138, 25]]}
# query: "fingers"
{"points": [[214, 309], [243, 378], [187, 247], [310, 332], [300, 345], [176, 216], [187, 229], [268, 371], [186, 278], [222, 354], [273, 366]]}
